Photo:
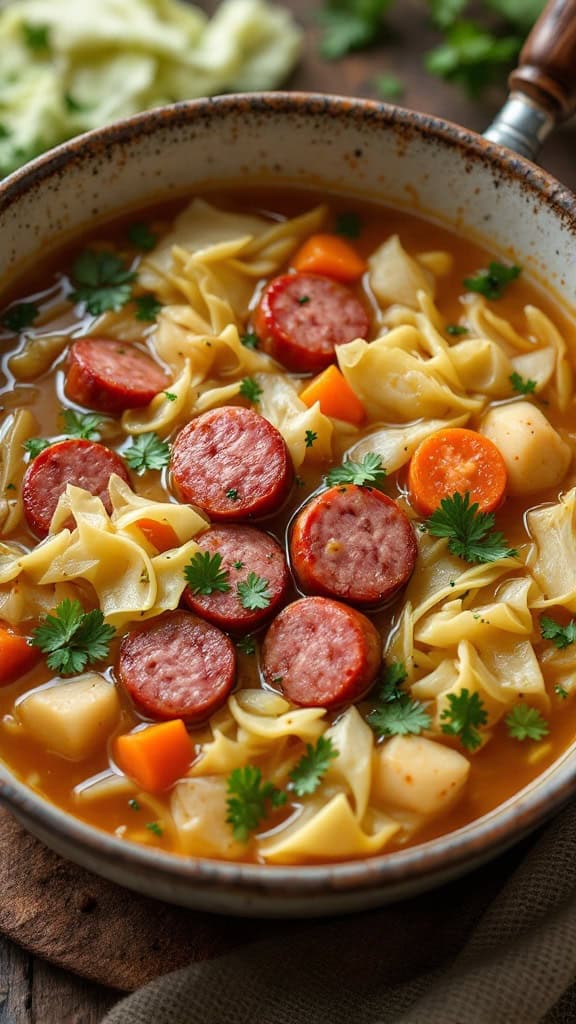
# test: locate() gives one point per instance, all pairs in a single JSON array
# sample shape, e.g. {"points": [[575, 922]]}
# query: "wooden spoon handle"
{"points": [[546, 73]]}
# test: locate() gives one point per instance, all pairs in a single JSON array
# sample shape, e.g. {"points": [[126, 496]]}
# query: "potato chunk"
{"points": [[419, 775], [536, 457], [72, 719]]}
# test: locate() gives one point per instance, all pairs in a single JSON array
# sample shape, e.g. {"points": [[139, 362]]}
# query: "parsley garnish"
{"points": [[523, 387], [246, 645], [560, 691], [309, 438], [368, 473], [134, 805], [84, 425], [147, 451], [18, 317], [72, 638], [307, 775], [35, 445], [399, 717], [155, 827], [250, 389], [205, 575], [455, 330], [492, 282], [232, 494], [468, 530], [250, 340], [36, 37], [102, 281], [561, 636], [348, 225], [393, 677], [147, 308], [170, 396], [466, 711], [350, 25], [253, 592], [388, 87], [526, 723], [303, 299], [141, 237], [249, 799], [471, 56]]}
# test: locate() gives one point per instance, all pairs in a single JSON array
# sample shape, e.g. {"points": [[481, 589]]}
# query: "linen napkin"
{"points": [[497, 947]]}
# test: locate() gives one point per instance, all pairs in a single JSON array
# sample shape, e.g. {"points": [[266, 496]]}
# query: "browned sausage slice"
{"points": [[354, 544], [321, 653], [177, 666], [232, 463], [111, 376], [82, 463], [243, 550], [302, 317]]}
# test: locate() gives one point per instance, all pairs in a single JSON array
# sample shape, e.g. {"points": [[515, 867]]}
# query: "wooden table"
{"points": [[31, 991]]}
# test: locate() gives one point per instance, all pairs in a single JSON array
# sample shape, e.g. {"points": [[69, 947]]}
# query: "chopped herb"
{"points": [[492, 282], [465, 713], [147, 308], [253, 592], [141, 237], [84, 425], [307, 775], [238, 565], [401, 717], [147, 451], [522, 386], [170, 396], [72, 638], [36, 37], [101, 281], [250, 389], [472, 56], [232, 494], [350, 25], [134, 805], [367, 473], [561, 636], [526, 723], [348, 225], [393, 677], [455, 330], [205, 575], [155, 827], [18, 317], [470, 532], [303, 299], [445, 12], [388, 87], [10, 487], [560, 691], [246, 645], [249, 800], [250, 340], [35, 445], [309, 438]]}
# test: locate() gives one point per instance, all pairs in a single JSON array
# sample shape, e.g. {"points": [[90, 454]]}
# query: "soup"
{"points": [[287, 560]]}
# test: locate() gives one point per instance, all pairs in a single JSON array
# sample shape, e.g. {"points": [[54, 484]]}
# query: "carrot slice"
{"points": [[16, 657], [335, 395], [331, 256], [456, 460], [161, 535], [155, 757]]}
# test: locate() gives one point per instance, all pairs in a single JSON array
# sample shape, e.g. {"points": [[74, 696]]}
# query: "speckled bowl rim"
{"points": [[474, 842]]}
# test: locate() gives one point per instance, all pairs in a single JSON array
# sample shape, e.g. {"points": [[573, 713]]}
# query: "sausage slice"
{"points": [[321, 653], [232, 463], [111, 376], [177, 666], [86, 464], [243, 550], [353, 543], [302, 317]]}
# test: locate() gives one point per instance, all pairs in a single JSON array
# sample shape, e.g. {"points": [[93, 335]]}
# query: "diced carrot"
{"points": [[456, 460], [157, 756], [161, 535], [335, 395], [16, 657], [331, 256]]}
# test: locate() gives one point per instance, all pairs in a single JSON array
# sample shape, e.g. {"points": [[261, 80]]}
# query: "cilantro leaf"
{"points": [[232, 494], [350, 25], [36, 37], [309, 438], [526, 723], [393, 677], [520, 13], [561, 636], [170, 396], [250, 340], [400, 717], [456, 330], [348, 225], [147, 308], [253, 592], [470, 532], [522, 386], [560, 691], [84, 425], [472, 57], [388, 87], [147, 451], [367, 473], [249, 800], [20, 316], [205, 575], [141, 237], [72, 638], [250, 389], [465, 713], [492, 282], [35, 445], [307, 775], [246, 645], [155, 827], [101, 281]]}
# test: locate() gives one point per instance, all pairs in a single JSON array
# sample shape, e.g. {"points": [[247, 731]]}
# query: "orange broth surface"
{"points": [[498, 770]]}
